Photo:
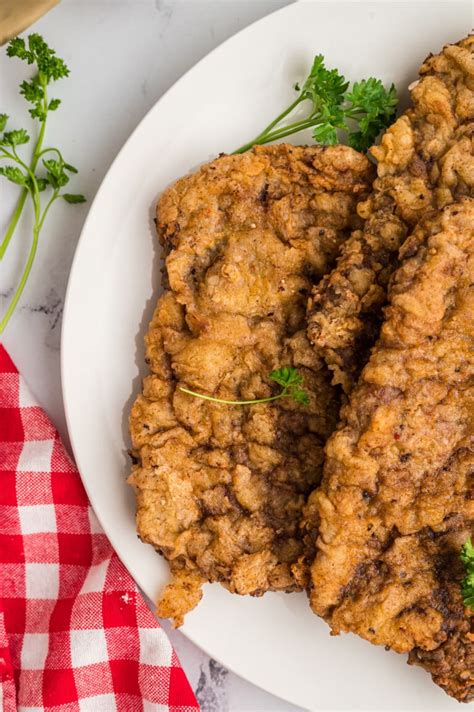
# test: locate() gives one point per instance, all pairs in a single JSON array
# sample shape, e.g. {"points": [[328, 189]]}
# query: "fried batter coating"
{"points": [[425, 161], [220, 488], [397, 498]]}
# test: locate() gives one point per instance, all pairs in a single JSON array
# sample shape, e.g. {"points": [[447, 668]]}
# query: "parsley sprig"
{"points": [[361, 112], [287, 377], [53, 174], [467, 584]]}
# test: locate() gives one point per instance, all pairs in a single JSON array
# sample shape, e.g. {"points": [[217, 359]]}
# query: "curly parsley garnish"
{"points": [[53, 175], [368, 107], [467, 584], [287, 377]]}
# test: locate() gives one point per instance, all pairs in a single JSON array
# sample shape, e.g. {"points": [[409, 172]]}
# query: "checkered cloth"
{"points": [[75, 634]]}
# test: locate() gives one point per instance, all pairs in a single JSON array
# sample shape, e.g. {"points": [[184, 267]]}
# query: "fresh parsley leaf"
{"points": [[373, 107], [42, 184], [286, 376], [55, 167], [3, 121], [56, 175], [15, 138], [52, 165], [50, 66], [300, 396], [467, 553], [325, 134], [32, 90], [467, 584], [14, 175], [332, 120], [70, 198], [291, 381], [17, 48], [39, 113], [324, 87]]}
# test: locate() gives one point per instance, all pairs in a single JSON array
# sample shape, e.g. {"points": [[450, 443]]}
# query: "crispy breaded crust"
{"points": [[425, 161], [220, 488], [397, 497]]}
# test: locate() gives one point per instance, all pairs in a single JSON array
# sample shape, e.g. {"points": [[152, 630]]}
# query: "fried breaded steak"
{"points": [[220, 488], [397, 498], [425, 161]]}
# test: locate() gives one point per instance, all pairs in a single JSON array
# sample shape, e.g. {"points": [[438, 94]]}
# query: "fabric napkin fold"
{"points": [[75, 634]]}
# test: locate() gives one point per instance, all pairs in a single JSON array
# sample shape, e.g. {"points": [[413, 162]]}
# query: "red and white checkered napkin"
{"points": [[75, 634]]}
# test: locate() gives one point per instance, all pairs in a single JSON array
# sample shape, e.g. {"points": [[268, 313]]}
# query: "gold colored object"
{"points": [[17, 15]]}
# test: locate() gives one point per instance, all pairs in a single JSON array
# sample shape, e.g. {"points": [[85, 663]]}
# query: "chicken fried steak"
{"points": [[220, 488], [397, 498], [425, 161]]}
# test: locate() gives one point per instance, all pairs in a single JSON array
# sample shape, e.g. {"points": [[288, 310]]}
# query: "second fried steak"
{"points": [[425, 161], [220, 488], [397, 499]]}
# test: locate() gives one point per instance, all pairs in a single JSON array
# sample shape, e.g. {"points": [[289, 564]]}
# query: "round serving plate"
{"points": [[273, 641]]}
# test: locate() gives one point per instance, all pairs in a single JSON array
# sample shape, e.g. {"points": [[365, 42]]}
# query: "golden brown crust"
{"points": [[220, 488], [397, 497], [425, 161]]}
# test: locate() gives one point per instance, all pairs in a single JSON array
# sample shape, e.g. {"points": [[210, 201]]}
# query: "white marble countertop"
{"points": [[123, 55]]}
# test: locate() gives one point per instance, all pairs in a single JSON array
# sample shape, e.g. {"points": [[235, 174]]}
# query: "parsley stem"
{"points": [[292, 128], [284, 394], [24, 193], [48, 150], [281, 133], [263, 135], [24, 278], [13, 222], [5, 154], [279, 118], [49, 204], [18, 211]]}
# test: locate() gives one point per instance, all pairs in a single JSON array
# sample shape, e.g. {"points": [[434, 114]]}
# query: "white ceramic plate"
{"points": [[274, 641]]}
